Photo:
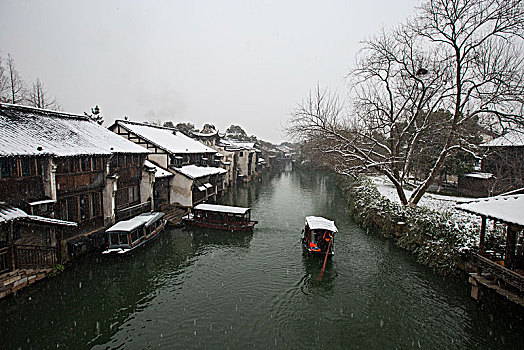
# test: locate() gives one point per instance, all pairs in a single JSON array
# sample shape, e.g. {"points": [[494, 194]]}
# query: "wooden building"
{"points": [[501, 270], [504, 158], [67, 167]]}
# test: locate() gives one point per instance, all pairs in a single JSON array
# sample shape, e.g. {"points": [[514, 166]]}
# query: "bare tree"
{"points": [[458, 60], [38, 96], [14, 82], [4, 82], [482, 45]]}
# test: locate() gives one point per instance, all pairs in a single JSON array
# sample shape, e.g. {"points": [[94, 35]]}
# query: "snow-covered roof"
{"points": [[513, 138], [509, 209], [195, 172], [203, 134], [8, 213], [44, 201], [160, 172], [169, 139], [137, 221], [237, 144], [320, 223], [222, 208], [28, 131], [479, 175]]}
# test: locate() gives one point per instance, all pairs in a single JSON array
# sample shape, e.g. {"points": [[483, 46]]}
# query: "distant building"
{"points": [[195, 177], [501, 170], [244, 157]]}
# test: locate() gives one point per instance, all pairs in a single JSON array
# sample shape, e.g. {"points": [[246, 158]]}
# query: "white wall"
{"points": [[181, 190]]}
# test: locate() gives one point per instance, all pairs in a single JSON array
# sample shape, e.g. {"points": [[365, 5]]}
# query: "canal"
{"points": [[207, 289]]}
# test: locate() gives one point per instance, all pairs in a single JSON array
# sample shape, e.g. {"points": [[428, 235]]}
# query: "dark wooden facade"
{"points": [[21, 179], [80, 183]]}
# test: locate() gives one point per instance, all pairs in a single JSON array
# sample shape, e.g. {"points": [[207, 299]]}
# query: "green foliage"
{"points": [[236, 132], [95, 115], [57, 269], [168, 124], [185, 128]]}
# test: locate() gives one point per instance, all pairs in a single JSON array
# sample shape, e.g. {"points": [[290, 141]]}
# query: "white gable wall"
{"points": [[181, 191]]}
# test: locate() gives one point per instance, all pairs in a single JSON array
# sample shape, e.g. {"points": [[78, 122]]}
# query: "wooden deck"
{"points": [[498, 278]]}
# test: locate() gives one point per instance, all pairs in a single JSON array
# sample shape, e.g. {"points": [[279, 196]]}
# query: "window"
{"points": [[72, 209], [71, 165], [97, 163], [134, 236], [85, 164], [84, 207], [133, 194], [97, 204], [24, 166], [5, 168], [241, 154]]}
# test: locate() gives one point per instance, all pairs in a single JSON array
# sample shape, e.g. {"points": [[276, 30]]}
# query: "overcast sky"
{"points": [[221, 62]]}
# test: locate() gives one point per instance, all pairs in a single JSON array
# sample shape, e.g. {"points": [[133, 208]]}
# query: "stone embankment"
{"points": [[13, 281]]}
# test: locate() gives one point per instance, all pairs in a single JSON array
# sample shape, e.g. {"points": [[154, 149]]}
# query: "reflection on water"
{"points": [[199, 288]]}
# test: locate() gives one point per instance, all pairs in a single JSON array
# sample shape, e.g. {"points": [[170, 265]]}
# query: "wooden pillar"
{"points": [[511, 243], [11, 245], [59, 238], [482, 234]]}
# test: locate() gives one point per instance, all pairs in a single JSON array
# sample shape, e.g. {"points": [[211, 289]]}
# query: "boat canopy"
{"points": [[320, 223], [137, 221], [222, 208]]}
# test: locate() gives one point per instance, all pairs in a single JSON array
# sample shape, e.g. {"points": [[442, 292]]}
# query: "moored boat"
{"points": [[221, 217], [126, 236], [318, 236]]}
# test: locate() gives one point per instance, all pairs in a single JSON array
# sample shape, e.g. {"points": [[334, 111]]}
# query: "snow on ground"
{"points": [[468, 223], [432, 201]]}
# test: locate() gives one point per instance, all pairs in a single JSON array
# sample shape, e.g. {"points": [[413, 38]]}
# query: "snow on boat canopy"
{"points": [[221, 217], [320, 223], [124, 236], [318, 236]]}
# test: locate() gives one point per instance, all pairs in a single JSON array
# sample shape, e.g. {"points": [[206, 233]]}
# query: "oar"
{"points": [[325, 260]]}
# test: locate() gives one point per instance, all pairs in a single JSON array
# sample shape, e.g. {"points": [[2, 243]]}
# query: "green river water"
{"points": [[203, 289]]}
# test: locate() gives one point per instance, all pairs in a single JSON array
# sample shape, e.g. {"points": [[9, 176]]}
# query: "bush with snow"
{"points": [[438, 237]]}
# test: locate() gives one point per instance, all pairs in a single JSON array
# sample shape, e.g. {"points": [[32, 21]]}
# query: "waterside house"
{"points": [[502, 168], [67, 169], [192, 163], [500, 267], [243, 156]]}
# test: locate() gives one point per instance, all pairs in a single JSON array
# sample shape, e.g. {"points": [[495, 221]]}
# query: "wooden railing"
{"points": [[35, 256], [129, 212], [4, 260], [508, 276]]}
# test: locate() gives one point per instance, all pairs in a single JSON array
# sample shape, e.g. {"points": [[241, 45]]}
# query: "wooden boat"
{"points": [[126, 236], [221, 217], [318, 236]]}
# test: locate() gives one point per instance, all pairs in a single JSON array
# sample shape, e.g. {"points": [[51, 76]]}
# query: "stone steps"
{"points": [[173, 214], [13, 281]]}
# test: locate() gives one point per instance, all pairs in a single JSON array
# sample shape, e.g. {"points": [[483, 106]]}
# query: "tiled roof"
{"points": [[168, 139], [33, 131]]}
